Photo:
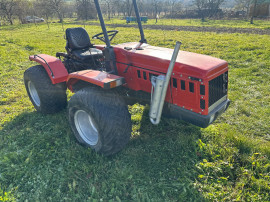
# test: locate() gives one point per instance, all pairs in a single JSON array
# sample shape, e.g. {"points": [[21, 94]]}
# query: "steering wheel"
{"points": [[100, 36]]}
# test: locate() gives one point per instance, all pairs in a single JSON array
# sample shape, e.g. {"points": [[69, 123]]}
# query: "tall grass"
{"points": [[174, 161]]}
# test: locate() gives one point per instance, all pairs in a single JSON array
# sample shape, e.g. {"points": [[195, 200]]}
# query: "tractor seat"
{"points": [[88, 53], [79, 45]]}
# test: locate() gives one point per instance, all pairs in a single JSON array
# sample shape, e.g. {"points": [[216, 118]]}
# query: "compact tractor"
{"points": [[105, 79]]}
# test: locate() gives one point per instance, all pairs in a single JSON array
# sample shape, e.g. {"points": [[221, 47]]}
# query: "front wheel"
{"points": [[100, 120]]}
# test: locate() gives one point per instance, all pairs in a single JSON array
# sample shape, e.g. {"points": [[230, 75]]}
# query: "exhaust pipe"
{"points": [[159, 89]]}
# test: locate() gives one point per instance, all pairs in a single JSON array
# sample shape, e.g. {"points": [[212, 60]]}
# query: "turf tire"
{"points": [[52, 97], [110, 115]]}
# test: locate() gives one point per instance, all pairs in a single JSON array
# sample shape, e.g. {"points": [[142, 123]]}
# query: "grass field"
{"points": [[260, 24], [174, 161]]}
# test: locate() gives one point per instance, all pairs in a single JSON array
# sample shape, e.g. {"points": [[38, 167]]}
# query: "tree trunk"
{"points": [[253, 12], [109, 11], [202, 15], [10, 20], [47, 21], [156, 13], [60, 16]]}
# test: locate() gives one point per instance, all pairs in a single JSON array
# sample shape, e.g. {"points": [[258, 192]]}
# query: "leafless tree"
{"points": [[156, 4], [244, 5], [8, 9], [109, 7], [247, 5], [57, 7], [69, 9], [22, 9], [172, 4], [171, 7], [201, 6], [213, 6], [253, 11], [128, 7], [85, 9], [208, 8], [44, 9], [117, 6]]}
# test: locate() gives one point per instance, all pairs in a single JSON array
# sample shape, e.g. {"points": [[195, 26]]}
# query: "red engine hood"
{"points": [[158, 59]]}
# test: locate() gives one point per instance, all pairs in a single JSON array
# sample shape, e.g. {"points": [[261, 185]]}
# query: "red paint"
{"points": [[150, 60], [156, 60], [59, 71], [92, 76]]}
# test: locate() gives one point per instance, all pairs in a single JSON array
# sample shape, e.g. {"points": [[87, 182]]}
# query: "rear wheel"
{"points": [[100, 120], [46, 97]]}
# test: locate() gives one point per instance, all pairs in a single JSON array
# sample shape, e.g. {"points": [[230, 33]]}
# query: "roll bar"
{"points": [[143, 40], [110, 61], [108, 51], [103, 26]]}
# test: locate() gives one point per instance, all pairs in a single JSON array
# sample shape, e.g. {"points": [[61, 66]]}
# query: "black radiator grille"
{"points": [[218, 88]]}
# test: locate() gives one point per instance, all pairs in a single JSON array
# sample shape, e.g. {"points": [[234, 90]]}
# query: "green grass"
{"points": [[261, 24], [174, 161]]}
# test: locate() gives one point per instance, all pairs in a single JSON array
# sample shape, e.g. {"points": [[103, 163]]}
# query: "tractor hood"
{"points": [[158, 58]]}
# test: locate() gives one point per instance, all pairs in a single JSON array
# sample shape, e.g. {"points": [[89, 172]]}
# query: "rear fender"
{"points": [[54, 67], [95, 77]]}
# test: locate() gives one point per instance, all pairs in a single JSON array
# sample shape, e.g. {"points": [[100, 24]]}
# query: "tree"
{"points": [[69, 9], [57, 7], [249, 5], [108, 4], [22, 9], [209, 8], [157, 8], [244, 5], [43, 8], [85, 9], [118, 6], [128, 7], [172, 4], [8, 9], [213, 6], [201, 6]]}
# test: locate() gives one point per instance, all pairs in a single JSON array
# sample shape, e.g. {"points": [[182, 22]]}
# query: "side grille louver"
{"points": [[218, 88]]}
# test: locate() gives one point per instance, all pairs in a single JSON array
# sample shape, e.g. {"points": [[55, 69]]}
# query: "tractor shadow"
{"points": [[166, 155], [159, 161]]}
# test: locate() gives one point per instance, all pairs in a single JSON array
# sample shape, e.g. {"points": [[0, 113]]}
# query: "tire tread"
{"points": [[111, 114], [53, 97]]}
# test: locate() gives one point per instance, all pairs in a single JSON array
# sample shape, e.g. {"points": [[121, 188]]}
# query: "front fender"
{"points": [[54, 67]]}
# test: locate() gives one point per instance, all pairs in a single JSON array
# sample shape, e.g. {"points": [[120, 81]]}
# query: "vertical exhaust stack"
{"points": [[160, 86]]}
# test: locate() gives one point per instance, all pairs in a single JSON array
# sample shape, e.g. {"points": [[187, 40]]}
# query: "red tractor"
{"points": [[105, 79]]}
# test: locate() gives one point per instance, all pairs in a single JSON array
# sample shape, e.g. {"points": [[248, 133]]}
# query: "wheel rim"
{"points": [[33, 93], [86, 127]]}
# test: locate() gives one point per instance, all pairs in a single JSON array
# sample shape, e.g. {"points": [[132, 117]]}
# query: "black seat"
{"points": [[79, 45]]}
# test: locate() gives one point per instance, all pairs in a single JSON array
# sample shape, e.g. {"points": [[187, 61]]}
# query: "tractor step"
{"points": [[102, 79]]}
